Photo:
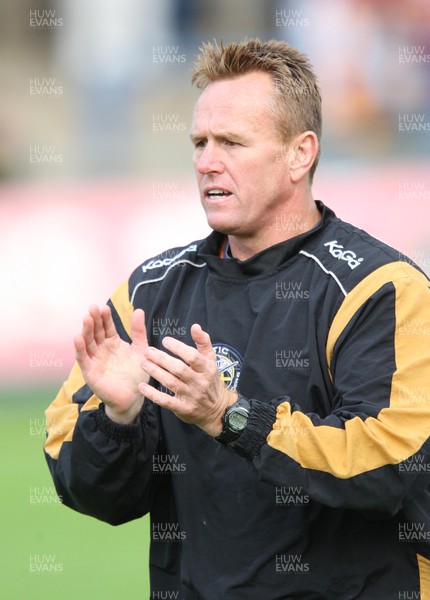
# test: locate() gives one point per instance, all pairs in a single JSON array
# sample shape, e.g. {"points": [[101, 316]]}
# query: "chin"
{"points": [[219, 223], [221, 226]]}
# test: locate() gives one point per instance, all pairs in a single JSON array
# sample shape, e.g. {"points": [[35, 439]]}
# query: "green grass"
{"points": [[91, 559]]}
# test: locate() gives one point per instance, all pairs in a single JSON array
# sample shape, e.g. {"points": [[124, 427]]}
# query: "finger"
{"points": [[81, 352], [138, 329], [202, 341], [167, 370], [88, 335], [108, 324], [98, 327], [165, 379], [188, 354], [172, 403]]}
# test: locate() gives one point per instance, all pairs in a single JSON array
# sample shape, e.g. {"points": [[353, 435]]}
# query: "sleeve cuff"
{"points": [[117, 431], [261, 420]]}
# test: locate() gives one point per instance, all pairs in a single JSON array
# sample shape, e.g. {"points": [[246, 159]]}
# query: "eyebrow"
{"points": [[194, 137], [222, 135]]}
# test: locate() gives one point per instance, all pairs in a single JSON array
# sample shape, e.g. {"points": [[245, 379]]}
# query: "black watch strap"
{"points": [[235, 420]]}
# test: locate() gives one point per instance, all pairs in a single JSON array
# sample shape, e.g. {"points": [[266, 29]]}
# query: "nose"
{"points": [[208, 159]]}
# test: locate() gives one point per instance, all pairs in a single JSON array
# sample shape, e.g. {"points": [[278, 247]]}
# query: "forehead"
{"points": [[244, 97]]}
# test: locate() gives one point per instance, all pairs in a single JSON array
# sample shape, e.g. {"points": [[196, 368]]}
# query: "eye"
{"points": [[230, 143], [200, 143]]}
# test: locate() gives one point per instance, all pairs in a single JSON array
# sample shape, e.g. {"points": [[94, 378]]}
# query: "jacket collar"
{"points": [[267, 260]]}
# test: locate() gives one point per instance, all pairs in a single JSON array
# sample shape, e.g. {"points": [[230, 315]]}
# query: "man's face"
{"points": [[243, 181]]}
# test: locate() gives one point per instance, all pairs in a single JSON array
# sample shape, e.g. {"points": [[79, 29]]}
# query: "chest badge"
{"points": [[229, 363]]}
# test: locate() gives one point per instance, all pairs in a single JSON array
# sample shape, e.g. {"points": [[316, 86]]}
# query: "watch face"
{"points": [[238, 419]]}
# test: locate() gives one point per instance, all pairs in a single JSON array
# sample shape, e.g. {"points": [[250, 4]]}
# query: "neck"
{"points": [[286, 225]]}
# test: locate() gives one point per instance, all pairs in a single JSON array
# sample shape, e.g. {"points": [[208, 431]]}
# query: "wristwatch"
{"points": [[234, 421]]}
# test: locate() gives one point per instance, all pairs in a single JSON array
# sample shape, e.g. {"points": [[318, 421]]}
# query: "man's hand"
{"points": [[110, 366], [200, 397]]}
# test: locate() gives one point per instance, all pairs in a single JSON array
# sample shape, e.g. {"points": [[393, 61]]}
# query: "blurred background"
{"points": [[96, 176]]}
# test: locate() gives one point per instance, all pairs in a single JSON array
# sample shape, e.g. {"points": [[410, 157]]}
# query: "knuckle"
{"points": [[182, 369], [187, 412], [174, 386], [205, 386], [195, 359]]}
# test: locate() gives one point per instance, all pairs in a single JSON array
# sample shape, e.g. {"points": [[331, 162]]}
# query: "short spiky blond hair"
{"points": [[297, 97]]}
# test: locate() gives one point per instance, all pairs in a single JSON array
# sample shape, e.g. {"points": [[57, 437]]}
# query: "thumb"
{"points": [[202, 340]]}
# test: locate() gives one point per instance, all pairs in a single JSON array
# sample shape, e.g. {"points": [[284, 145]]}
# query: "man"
{"points": [[272, 437]]}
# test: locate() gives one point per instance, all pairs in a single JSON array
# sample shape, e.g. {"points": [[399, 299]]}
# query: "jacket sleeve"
{"points": [[101, 468], [373, 451]]}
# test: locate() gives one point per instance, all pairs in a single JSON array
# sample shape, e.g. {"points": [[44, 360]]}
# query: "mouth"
{"points": [[216, 194]]}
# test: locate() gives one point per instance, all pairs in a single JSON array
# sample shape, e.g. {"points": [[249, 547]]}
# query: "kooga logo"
{"points": [[340, 253], [166, 262]]}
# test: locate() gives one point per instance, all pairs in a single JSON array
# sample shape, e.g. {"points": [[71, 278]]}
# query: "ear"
{"points": [[302, 154]]}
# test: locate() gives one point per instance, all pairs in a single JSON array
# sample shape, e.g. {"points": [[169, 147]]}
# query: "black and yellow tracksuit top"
{"points": [[326, 493]]}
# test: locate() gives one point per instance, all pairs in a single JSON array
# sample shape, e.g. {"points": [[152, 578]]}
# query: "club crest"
{"points": [[229, 363]]}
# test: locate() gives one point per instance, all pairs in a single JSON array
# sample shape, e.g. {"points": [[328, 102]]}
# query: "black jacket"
{"points": [[325, 494]]}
